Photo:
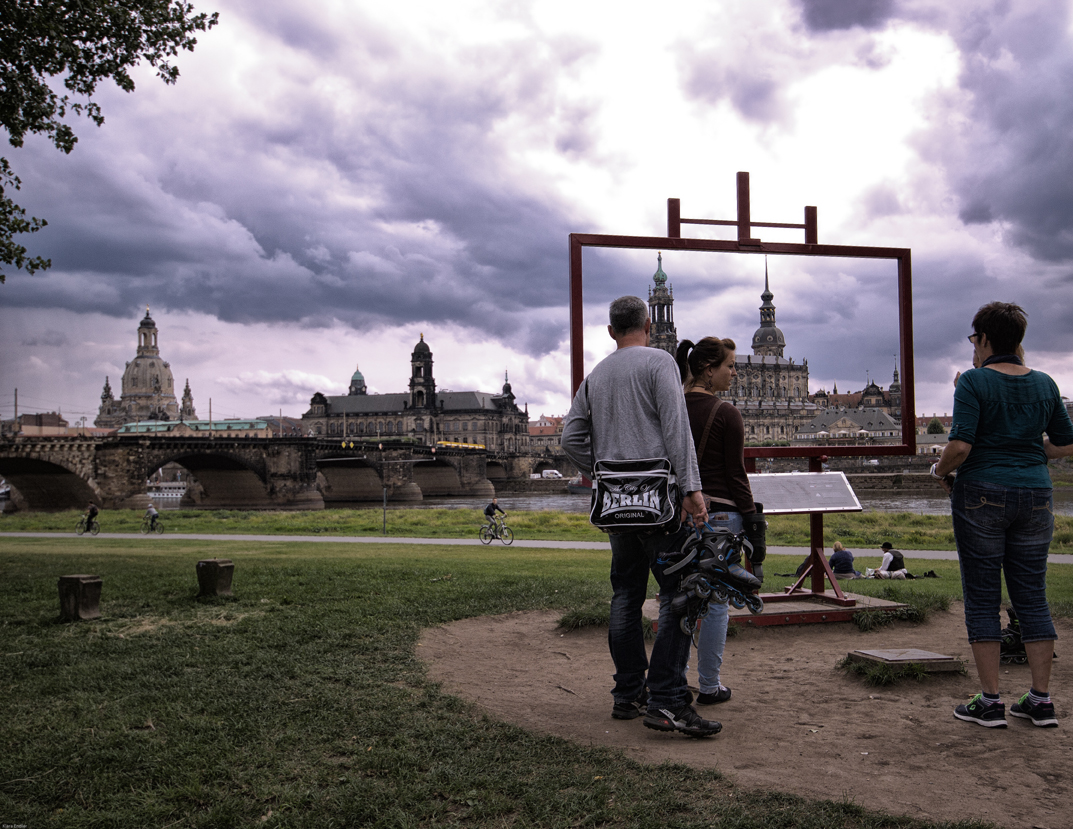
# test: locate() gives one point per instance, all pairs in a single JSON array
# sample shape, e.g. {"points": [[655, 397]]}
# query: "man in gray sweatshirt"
{"points": [[633, 407]]}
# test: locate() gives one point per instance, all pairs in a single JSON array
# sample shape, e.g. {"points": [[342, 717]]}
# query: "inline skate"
{"points": [[709, 564]]}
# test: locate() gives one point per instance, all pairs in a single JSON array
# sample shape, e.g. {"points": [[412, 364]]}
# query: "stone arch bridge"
{"points": [[53, 473]]}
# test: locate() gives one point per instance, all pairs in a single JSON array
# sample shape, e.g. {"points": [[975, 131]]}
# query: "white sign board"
{"points": [[797, 492]]}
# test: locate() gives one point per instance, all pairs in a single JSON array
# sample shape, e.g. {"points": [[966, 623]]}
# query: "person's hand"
{"points": [[693, 507]]}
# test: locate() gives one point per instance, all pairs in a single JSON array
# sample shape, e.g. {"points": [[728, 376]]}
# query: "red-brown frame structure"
{"points": [[746, 243]]}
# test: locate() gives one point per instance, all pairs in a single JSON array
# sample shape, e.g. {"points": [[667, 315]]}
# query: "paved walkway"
{"points": [[938, 555]]}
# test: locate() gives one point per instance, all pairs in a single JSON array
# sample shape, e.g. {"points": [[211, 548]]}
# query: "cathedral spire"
{"points": [[768, 340]]}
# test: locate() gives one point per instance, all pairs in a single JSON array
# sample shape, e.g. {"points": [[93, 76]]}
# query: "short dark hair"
{"points": [[628, 313], [693, 359], [1004, 324]]}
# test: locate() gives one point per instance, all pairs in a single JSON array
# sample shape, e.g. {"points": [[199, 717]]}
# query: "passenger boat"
{"points": [[579, 485]]}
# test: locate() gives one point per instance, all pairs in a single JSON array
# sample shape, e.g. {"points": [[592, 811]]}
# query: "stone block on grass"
{"points": [[214, 576], [80, 597]]}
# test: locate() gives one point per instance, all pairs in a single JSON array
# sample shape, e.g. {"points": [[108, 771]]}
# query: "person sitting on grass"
{"points": [[893, 564], [842, 562]]}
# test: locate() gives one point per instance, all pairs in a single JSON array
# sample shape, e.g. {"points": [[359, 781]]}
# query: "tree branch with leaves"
{"points": [[82, 42]]}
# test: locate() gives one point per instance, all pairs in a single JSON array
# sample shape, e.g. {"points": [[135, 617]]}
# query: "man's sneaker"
{"points": [[721, 695], [685, 720], [631, 710], [979, 712], [1041, 715]]}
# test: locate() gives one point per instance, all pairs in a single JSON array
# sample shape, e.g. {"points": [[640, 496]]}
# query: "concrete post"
{"points": [[80, 597], [214, 577]]}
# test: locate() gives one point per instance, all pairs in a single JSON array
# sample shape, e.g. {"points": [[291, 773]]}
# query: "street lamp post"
{"points": [[383, 477]]}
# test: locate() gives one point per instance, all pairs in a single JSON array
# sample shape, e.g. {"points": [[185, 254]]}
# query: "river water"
{"points": [[564, 502], [873, 501]]}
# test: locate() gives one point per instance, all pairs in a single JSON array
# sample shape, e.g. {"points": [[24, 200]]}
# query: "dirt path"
{"points": [[796, 722]]}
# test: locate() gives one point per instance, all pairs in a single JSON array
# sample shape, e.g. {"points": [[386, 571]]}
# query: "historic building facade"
{"points": [[423, 414], [872, 396], [546, 432], [850, 427], [148, 387], [772, 390]]}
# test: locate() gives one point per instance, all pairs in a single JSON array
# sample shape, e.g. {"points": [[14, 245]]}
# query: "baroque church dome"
{"points": [[148, 387], [147, 375]]}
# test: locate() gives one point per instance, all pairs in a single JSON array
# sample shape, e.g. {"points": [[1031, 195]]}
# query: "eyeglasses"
{"points": [[972, 337]]}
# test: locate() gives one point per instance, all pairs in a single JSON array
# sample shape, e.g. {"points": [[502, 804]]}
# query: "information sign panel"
{"points": [[801, 492]]}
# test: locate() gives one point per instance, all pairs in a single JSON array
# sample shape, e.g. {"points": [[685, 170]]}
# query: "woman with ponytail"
{"points": [[707, 369]]}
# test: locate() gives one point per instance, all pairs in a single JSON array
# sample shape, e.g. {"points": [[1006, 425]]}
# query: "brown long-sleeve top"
{"points": [[722, 469]]}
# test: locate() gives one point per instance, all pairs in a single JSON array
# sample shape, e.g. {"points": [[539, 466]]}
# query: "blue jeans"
{"points": [[1003, 531], [633, 556], [713, 629]]}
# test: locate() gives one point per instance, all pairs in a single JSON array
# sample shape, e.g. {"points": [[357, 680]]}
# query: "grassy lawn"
{"points": [[858, 531], [301, 702]]}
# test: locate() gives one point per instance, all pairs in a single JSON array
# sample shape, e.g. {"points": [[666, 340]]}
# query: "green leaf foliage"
{"points": [[81, 43]]}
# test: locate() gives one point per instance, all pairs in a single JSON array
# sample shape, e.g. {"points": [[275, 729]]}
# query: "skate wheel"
{"points": [[754, 603], [685, 625]]}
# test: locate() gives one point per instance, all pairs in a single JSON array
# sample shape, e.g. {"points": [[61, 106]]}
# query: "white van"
{"points": [[551, 473]]}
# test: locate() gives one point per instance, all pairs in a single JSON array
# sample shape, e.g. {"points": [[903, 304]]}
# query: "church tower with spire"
{"points": [[768, 340], [187, 411], [422, 383], [661, 311], [895, 392]]}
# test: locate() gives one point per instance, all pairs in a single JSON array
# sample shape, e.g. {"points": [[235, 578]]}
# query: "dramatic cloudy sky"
{"points": [[330, 180]]}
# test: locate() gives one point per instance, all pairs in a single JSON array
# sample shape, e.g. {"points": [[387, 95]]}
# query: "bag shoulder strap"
{"points": [[707, 430], [592, 436]]}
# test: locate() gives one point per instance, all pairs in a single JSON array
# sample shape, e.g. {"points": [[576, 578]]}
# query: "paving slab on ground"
{"points": [[932, 662]]}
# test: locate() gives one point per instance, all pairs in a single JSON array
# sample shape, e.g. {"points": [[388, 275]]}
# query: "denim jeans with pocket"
{"points": [[1003, 531], [712, 639]]}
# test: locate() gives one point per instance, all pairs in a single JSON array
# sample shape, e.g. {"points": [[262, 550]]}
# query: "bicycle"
{"points": [[149, 527], [93, 527], [500, 530]]}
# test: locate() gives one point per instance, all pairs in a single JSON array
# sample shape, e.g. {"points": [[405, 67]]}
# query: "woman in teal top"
{"points": [[1002, 506]]}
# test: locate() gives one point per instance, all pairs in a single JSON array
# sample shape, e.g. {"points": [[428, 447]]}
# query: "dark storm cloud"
{"points": [[1012, 160], [832, 15], [393, 200], [949, 288]]}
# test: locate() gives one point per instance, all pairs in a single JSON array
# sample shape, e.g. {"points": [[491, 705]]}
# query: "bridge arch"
{"points": [[47, 485], [496, 471], [542, 465], [346, 480], [222, 475], [437, 478]]}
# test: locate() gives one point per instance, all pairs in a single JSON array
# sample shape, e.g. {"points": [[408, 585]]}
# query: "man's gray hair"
{"points": [[628, 313]]}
